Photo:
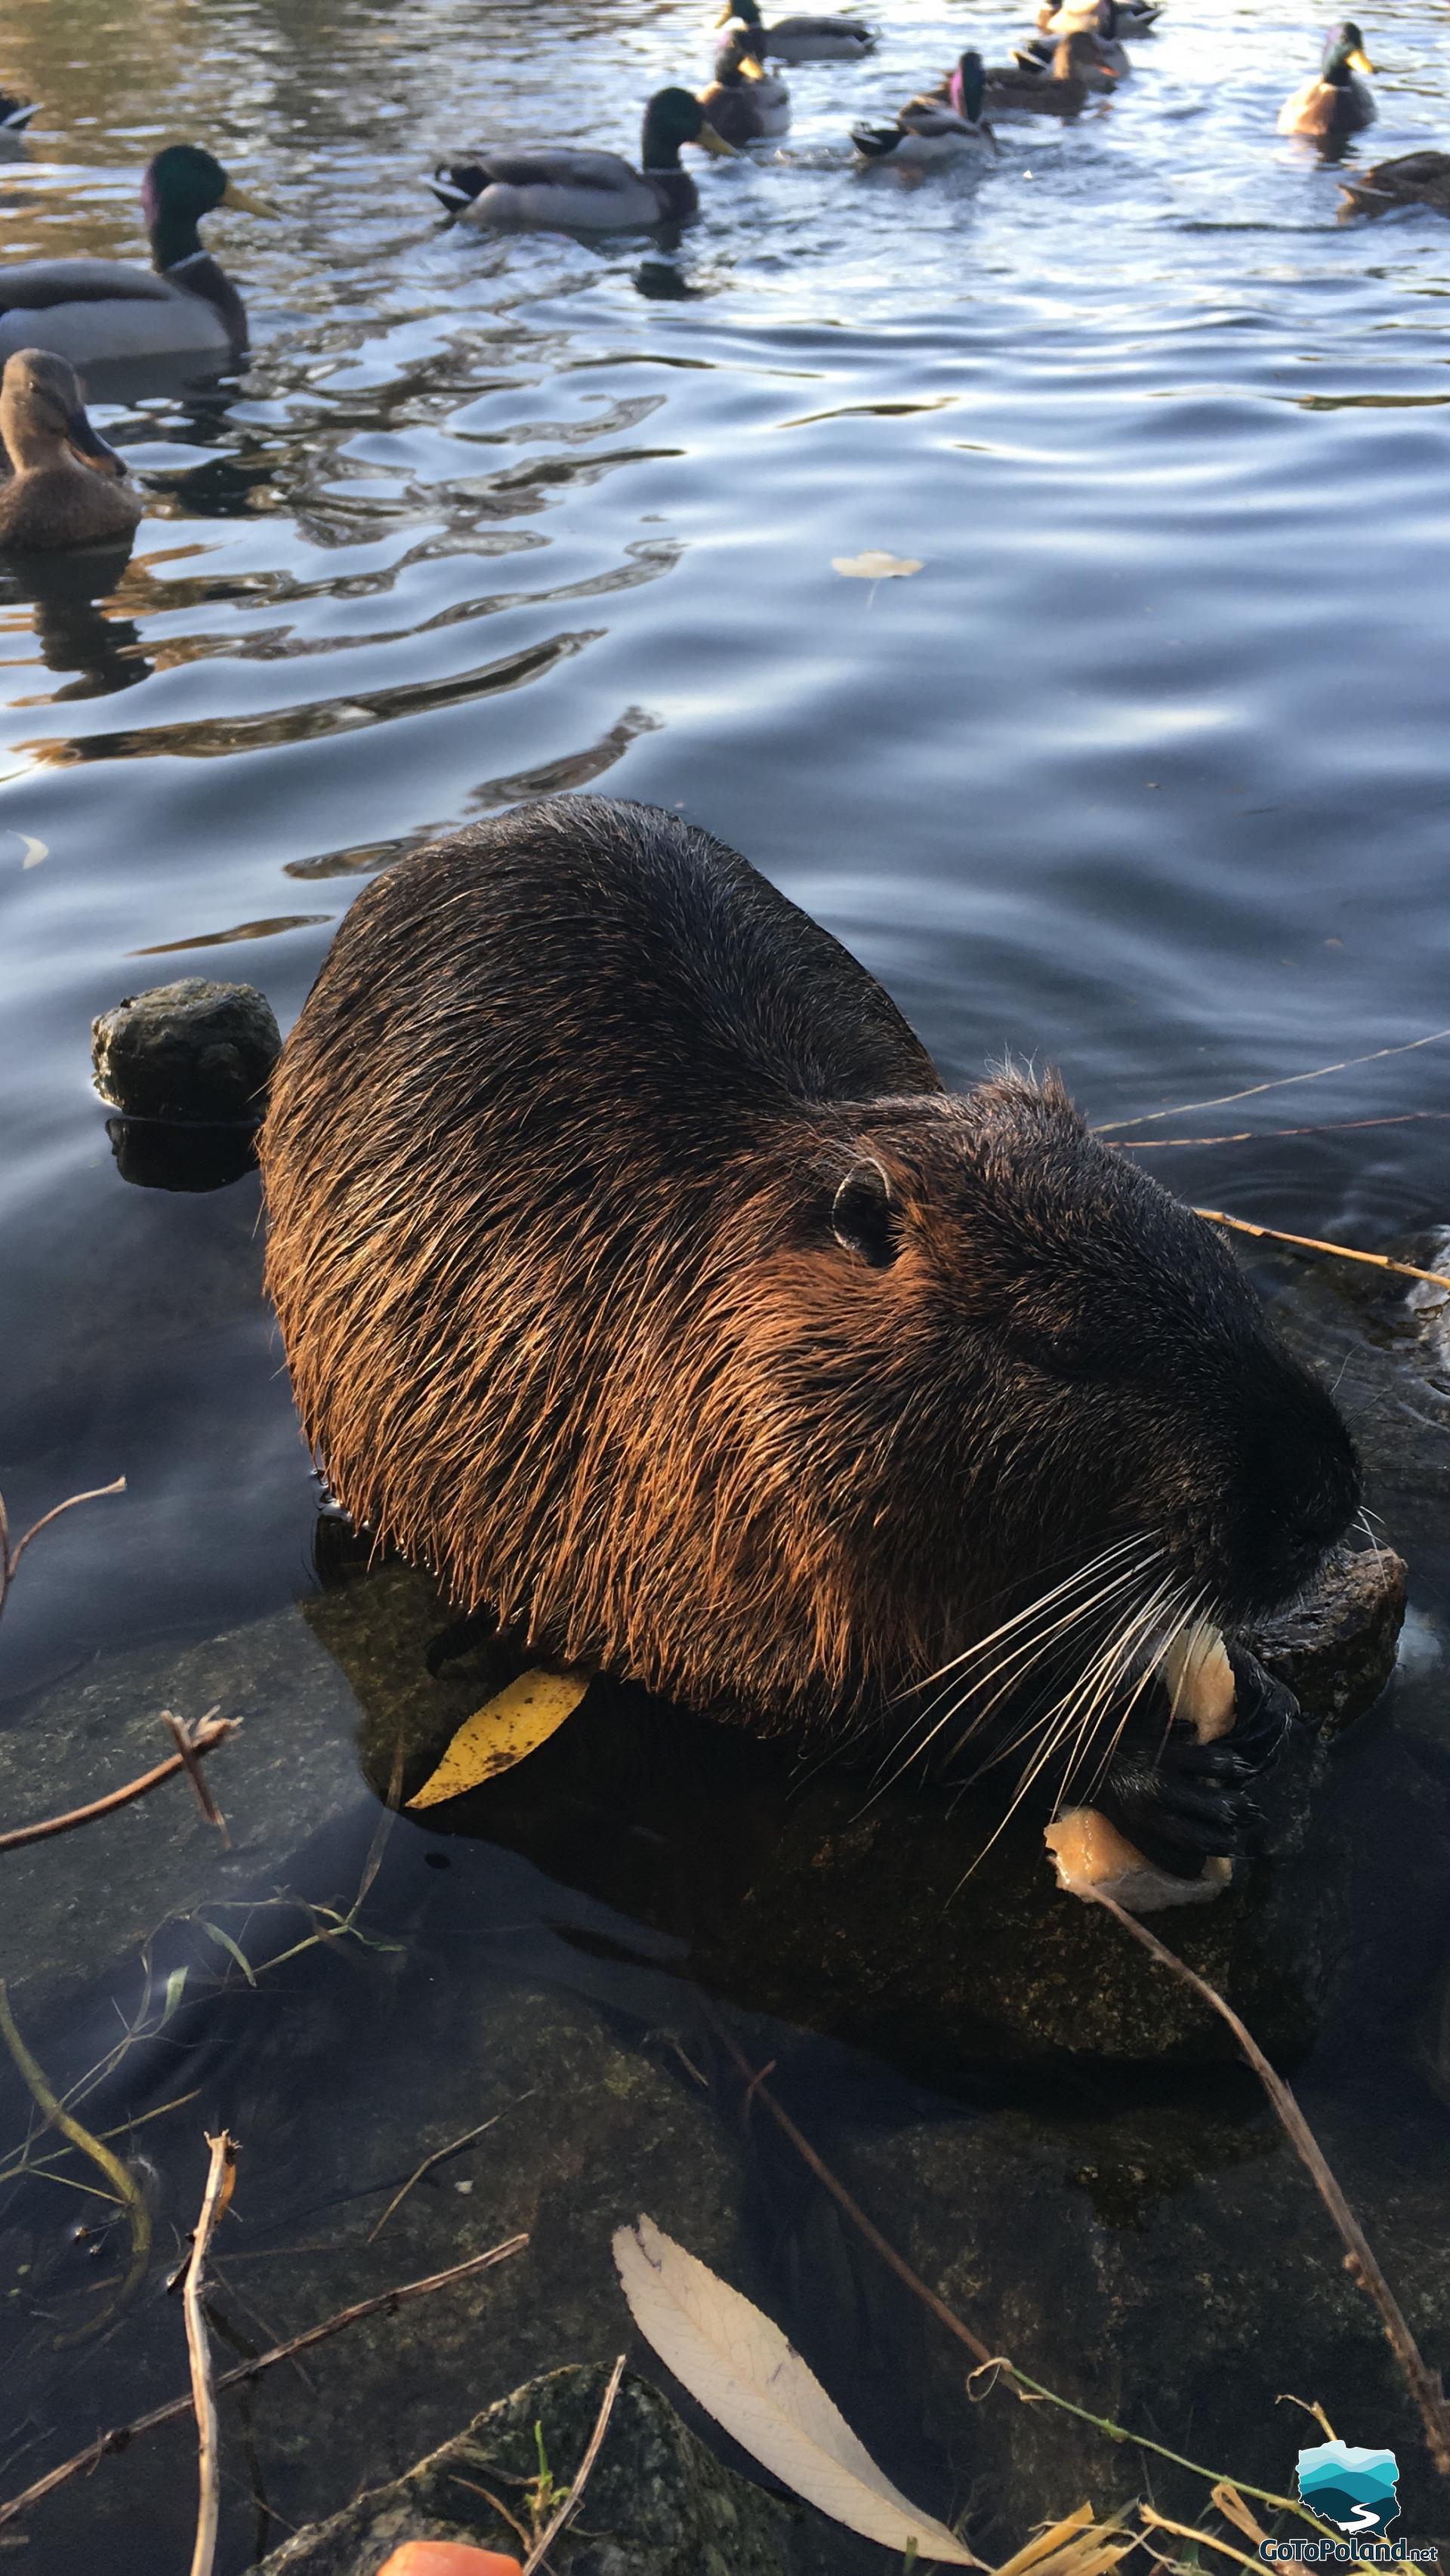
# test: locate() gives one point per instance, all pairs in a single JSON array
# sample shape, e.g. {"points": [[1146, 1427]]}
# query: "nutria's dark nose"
{"points": [[1300, 1490]]}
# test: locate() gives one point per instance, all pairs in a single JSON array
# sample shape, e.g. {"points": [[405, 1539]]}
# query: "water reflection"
{"points": [[73, 601]]}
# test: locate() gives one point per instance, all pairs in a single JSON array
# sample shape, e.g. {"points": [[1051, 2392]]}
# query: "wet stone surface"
{"points": [[893, 1920], [658, 2503], [192, 1051]]}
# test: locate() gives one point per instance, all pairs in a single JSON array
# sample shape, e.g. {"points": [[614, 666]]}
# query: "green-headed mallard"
{"points": [[805, 40], [1333, 102], [935, 128], [93, 309], [744, 101], [552, 187], [50, 498], [1076, 76], [1415, 179]]}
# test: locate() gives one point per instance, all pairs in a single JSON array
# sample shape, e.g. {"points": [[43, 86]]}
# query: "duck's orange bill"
{"points": [[447, 2558]]}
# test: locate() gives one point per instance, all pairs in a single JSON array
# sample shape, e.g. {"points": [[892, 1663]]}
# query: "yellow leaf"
{"points": [[508, 1726], [873, 565]]}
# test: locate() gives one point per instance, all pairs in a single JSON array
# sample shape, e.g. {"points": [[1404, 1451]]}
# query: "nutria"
{"points": [[638, 1273]]}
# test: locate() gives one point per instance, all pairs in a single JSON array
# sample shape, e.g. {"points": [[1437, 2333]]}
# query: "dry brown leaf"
{"points": [[515, 1722], [740, 2368]]}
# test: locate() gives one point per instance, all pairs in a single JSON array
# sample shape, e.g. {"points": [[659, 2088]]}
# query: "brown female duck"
{"points": [[53, 498]]}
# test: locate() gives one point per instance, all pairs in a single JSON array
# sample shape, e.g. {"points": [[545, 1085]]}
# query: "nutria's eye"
{"points": [[863, 1218]]}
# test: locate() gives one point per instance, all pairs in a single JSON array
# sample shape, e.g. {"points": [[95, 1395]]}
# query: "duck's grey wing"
{"points": [[38, 285], [554, 166]]}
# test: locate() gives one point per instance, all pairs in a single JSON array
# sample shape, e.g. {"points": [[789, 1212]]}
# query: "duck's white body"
{"points": [[772, 104], [89, 310], [560, 189], [924, 134]]}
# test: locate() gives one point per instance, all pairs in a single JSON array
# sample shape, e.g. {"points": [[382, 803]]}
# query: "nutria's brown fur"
{"points": [[637, 1272]]}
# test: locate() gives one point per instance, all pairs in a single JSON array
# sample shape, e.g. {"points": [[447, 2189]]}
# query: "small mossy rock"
{"points": [[658, 2503], [191, 1051], [1336, 1648]]}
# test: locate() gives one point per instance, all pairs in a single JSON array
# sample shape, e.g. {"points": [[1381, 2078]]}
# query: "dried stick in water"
{"points": [[10, 1556], [1359, 2262], [208, 1732], [535, 2558], [221, 2175], [120, 2434], [1314, 1243]]}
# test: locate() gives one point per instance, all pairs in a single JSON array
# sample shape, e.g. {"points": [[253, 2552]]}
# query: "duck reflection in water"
{"points": [[69, 596]]}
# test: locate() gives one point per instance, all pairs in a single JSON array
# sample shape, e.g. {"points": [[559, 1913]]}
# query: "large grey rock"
{"points": [[657, 2502], [189, 1051], [889, 1919]]}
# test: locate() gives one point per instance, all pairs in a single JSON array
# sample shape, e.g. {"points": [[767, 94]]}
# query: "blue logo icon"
{"points": [[1352, 2488]]}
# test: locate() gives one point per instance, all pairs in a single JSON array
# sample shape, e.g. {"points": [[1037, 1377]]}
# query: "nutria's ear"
{"points": [[863, 1217]]}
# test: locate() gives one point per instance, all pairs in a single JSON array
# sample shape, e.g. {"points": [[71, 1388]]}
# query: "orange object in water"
{"points": [[447, 2558]]}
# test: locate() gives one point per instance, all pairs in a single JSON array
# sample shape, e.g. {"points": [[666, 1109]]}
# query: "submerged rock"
{"points": [[657, 2503], [191, 1051], [896, 1919]]}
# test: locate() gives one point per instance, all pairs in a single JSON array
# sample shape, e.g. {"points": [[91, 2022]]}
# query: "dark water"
{"points": [[1144, 770]]}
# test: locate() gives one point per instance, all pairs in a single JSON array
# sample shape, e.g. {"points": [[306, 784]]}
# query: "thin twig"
{"points": [[184, 1738], [120, 2434], [10, 1556], [427, 2165], [1273, 1135], [1314, 1243], [535, 2558], [1023, 2385], [1281, 1082], [1359, 2262], [221, 2175], [126, 2186], [210, 1731], [760, 2092]]}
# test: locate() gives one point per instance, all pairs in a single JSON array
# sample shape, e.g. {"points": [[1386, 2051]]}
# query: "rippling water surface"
{"points": [[1144, 770]]}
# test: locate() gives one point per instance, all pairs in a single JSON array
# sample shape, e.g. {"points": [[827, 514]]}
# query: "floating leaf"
{"points": [[873, 565], [740, 2368], [514, 1722]]}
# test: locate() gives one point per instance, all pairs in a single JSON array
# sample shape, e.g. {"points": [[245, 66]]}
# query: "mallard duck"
{"points": [[745, 102], [805, 40], [15, 115], [92, 309], [1134, 17], [1076, 75], [1106, 27], [551, 187], [50, 499], [1334, 102], [1415, 179], [935, 128]]}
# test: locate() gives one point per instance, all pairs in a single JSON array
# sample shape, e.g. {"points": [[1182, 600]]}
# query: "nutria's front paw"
{"points": [[1183, 1802]]}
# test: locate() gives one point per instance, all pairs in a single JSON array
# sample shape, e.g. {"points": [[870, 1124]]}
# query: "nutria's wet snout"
{"points": [[636, 1270]]}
